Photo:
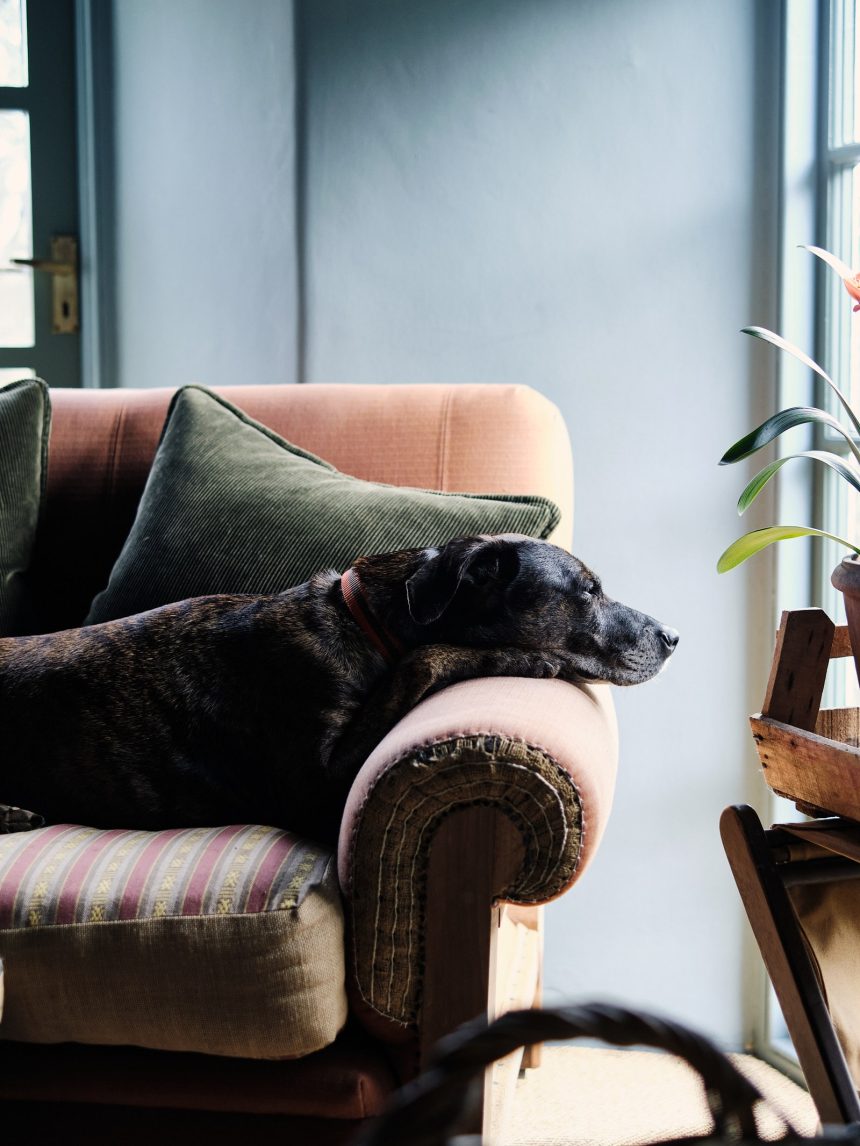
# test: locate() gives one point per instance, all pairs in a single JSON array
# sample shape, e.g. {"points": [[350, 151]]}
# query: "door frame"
{"points": [[94, 82]]}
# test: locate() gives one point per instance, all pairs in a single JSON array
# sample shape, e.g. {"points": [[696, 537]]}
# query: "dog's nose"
{"points": [[668, 636]]}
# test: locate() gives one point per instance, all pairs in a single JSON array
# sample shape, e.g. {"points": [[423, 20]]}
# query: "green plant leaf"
{"points": [[777, 424], [842, 269], [790, 348], [825, 457], [752, 543]]}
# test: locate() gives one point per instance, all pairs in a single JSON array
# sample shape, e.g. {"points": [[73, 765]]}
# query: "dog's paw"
{"points": [[552, 664], [18, 820], [548, 666], [540, 665]]}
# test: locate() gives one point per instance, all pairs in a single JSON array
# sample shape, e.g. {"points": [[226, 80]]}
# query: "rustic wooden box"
{"points": [[809, 755]]}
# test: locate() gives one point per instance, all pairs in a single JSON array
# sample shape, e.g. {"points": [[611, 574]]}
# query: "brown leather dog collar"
{"points": [[382, 640]]}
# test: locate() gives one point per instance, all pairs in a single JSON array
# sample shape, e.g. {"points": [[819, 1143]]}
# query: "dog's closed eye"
{"points": [[590, 590]]}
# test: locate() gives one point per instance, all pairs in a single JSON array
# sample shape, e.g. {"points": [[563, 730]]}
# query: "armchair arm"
{"points": [[532, 762]]}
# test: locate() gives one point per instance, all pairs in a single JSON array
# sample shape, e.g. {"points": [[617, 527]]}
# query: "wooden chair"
{"points": [[766, 865], [812, 757]]}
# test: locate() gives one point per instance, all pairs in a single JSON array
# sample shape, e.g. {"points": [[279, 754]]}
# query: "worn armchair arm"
{"points": [[492, 789]]}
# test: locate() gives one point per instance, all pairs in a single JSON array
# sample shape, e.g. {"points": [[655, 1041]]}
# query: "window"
{"points": [[38, 186], [820, 205], [839, 229], [16, 216]]}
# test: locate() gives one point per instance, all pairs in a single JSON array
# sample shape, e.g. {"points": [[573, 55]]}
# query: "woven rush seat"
{"points": [[103, 936]]}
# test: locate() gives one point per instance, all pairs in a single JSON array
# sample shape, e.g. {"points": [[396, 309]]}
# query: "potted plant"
{"points": [[846, 576]]}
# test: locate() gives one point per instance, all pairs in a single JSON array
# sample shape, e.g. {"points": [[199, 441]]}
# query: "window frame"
{"points": [[818, 159], [838, 160], [797, 577]]}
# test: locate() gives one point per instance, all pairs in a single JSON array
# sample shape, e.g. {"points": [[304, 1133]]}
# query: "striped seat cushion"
{"points": [[222, 940]]}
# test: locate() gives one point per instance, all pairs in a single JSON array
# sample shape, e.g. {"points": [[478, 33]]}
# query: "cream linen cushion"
{"points": [[226, 941]]}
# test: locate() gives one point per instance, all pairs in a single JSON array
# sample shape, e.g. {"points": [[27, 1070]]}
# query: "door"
{"points": [[39, 324]]}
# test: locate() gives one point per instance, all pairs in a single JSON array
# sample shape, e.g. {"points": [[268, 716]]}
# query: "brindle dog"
{"points": [[228, 709]]}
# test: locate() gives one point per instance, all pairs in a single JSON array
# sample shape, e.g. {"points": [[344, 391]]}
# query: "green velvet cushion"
{"points": [[230, 507], [25, 419]]}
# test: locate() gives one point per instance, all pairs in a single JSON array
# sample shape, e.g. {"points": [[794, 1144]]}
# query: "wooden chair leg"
{"points": [[474, 856], [533, 918], [768, 907]]}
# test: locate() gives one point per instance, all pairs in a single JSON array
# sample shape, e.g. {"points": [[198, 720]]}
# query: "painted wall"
{"points": [[581, 195], [204, 148], [575, 194]]}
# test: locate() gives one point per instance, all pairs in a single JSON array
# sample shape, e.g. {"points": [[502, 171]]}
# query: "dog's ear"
{"points": [[462, 563]]}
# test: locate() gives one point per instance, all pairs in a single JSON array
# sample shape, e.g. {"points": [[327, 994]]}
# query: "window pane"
{"points": [[15, 374], [841, 513], [13, 44], [16, 230], [840, 350], [848, 328]]}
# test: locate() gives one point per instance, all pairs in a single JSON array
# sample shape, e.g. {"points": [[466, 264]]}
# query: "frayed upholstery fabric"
{"points": [[405, 806]]}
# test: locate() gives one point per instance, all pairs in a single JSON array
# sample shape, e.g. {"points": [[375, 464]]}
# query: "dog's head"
{"points": [[515, 590]]}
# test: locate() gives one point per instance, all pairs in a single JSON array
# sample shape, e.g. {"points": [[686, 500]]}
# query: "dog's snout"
{"points": [[669, 637]]}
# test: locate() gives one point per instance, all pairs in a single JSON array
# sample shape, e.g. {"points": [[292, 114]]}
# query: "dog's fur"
{"points": [[261, 709]]}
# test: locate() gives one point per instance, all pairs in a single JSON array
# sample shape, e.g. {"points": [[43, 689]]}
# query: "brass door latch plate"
{"points": [[63, 269]]}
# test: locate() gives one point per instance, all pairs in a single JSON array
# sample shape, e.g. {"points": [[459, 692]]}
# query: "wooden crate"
{"points": [[809, 755]]}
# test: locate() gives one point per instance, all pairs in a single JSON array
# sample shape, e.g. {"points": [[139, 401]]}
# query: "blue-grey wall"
{"points": [[204, 145], [576, 194], [582, 195]]}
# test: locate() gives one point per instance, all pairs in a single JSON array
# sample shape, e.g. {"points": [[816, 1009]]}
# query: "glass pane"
{"points": [[14, 374], [13, 44], [16, 230], [840, 341], [841, 506], [839, 304], [840, 66], [779, 1036]]}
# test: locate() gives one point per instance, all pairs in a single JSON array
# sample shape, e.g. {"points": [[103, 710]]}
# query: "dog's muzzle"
{"points": [[669, 638]]}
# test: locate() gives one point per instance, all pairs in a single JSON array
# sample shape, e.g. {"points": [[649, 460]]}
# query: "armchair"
{"points": [[486, 801]]}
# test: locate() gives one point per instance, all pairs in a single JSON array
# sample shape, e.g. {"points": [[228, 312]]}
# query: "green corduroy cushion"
{"points": [[230, 507], [25, 420]]}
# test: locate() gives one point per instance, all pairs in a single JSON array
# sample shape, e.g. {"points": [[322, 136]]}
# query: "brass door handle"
{"points": [[63, 268], [47, 265]]}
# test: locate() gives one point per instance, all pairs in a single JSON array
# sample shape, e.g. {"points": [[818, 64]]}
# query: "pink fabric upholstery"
{"points": [[481, 439], [454, 438], [575, 725], [470, 439]]}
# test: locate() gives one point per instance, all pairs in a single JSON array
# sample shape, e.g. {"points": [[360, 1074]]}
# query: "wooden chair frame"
{"points": [[811, 756], [497, 947], [765, 864]]}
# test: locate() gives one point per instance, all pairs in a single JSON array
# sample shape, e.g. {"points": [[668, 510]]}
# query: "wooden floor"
{"points": [[590, 1097], [596, 1097]]}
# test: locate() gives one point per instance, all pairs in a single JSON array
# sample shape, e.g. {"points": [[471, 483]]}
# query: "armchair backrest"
{"points": [[464, 438]]}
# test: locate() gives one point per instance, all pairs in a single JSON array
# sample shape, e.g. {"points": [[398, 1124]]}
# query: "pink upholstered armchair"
{"points": [[214, 975]]}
